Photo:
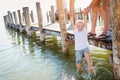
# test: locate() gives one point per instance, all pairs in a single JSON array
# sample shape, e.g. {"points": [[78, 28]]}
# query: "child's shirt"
{"points": [[81, 39]]}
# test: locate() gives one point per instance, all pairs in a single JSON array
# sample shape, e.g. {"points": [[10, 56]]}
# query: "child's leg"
{"points": [[79, 68], [79, 57], [88, 59]]}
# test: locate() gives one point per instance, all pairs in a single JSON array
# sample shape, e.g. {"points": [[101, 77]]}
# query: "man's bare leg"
{"points": [[94, 19], [106, 19]]}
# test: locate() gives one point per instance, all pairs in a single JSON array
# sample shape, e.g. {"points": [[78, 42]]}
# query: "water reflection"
{"points": [[29, 59]]}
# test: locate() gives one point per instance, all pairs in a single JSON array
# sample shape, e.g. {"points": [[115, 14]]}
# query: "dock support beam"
{"points": [[27, 20], [5, 20], [115, 22], [47, 17], [61, 14], [10, 19], [40, 21], [66, 16], [15, 18], [32, 17], [52, 14], [20, 20]]}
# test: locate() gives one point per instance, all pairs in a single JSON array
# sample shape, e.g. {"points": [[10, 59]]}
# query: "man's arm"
{"points": [[92, 4]]}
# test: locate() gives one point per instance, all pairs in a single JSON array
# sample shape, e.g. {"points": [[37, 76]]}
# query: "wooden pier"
{"points": [[55, 28], [59, 28]]}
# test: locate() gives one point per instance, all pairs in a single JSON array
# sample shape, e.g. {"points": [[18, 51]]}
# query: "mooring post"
{"points": [[23, 18], [52, 14], [9, 18], [65, 8], [66, 16], [115, 23], [47, 16], [61, 14], [27, 20], [12, 22], [5, 20], [20, 21], [15, 18], [40, 21], [32, 17]]}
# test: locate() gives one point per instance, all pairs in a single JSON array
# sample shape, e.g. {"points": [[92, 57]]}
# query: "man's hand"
{"points": [[70, 13], [85, 11]]}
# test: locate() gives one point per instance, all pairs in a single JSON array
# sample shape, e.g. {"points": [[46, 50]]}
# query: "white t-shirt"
{"points": [[81, 39]]}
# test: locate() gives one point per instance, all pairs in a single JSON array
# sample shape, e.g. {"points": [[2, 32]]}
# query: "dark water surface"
{"points": [[24, 58]]}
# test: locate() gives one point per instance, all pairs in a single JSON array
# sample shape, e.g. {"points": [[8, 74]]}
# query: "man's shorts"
{"points": [[80, 55], [104, 3]]}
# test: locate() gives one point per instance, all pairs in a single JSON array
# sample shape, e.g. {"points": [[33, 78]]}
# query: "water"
{"points": [[24, 58]]}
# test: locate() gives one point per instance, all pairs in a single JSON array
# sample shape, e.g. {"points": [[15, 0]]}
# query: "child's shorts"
{"points": [[80, 55]]}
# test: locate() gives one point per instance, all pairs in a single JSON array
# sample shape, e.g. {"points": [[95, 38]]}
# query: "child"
{"points": [[81, 43]]}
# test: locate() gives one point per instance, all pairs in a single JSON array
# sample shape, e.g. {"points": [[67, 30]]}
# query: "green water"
{"points": [[25, 58]]}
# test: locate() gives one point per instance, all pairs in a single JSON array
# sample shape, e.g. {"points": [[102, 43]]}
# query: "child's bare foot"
{"points": [[79, 71], [91, 69]]}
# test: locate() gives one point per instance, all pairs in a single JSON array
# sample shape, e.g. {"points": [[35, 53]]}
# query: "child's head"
{"points": [[79, 24]]}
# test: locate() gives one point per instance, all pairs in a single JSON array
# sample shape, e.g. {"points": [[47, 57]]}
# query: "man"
{"points": [[94, 5]]}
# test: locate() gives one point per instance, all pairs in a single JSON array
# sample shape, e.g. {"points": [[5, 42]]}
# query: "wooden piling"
{"points": [[15, 18], [23, 18], [27, 20], [115, 22], [40, 21], [47, 16], [19, 17], [66, 16], [5, 20], [9, 17], [53, 14], [61, 14], [20, 21], [50, 14], [32, 17]]}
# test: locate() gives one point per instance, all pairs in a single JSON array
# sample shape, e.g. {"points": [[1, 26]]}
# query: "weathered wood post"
{"points": [[9, 18], [66, 16], [5, 20], [20, 21], [65, 8], [61, 14], [23, 18], [32, 17], [15, 18], [40, 21], [27, 20], [115, 22], [47, 16], [52, 14]]}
